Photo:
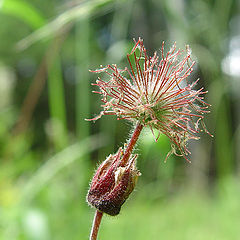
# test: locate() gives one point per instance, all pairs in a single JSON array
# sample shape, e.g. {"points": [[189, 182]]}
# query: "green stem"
{"points": [[82, 76], [57, 103]]}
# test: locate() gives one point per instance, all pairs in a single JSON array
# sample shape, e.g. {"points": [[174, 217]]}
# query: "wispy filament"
{"points": [[155, 92]]}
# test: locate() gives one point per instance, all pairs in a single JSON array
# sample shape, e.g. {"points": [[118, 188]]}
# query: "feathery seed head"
{"points": [[155, 92]]}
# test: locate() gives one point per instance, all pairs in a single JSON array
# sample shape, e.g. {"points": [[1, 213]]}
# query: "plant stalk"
{"points": [[131, 143], [96, 223]]}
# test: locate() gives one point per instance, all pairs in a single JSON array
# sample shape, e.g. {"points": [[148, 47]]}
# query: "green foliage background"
{"points": [[48, 153]]}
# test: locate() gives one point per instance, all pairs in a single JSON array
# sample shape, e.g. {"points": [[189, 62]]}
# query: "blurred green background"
{"points": [[48, 153]]}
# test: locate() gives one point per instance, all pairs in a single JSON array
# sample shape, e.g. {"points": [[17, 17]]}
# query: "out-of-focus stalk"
{"points": [[57, 104], [82, 78]]}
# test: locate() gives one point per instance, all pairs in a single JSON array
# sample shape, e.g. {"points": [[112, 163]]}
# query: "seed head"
{"points": [[112, 183], [155, 92]]}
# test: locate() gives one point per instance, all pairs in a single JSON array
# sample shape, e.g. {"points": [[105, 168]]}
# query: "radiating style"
{"points": [[155, 92]]}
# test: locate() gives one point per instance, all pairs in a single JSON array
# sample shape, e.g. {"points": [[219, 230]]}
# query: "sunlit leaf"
{"points": [[80, 11], [24, 11], [59, 161]]}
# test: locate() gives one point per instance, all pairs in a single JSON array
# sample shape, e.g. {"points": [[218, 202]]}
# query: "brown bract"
{"points": [[154, 91]]}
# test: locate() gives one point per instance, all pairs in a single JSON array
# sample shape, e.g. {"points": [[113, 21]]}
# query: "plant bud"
{"points": [[112, 183]]}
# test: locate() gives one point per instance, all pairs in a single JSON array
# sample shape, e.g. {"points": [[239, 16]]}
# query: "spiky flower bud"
{"points": [[155, 92], [112, 183]]}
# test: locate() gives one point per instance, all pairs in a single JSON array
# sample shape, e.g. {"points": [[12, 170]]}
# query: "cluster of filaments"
{"points": [[155, 92]]}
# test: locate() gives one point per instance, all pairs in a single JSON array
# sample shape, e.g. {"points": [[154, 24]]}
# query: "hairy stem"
{"points": [[96, 223], [132, 143], [127, 153]]}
